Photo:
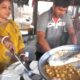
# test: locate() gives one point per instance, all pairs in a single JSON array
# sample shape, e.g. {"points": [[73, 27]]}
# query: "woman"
{"points": [[10, 38]]}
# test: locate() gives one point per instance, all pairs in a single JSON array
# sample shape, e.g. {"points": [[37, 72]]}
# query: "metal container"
{"points": [[72, 49]]}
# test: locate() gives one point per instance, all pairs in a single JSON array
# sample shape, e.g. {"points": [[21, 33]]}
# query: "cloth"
{"points": [[10, 29], [54, 31], [16, 71]]}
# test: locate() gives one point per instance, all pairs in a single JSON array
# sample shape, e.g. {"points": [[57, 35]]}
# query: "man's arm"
{"points": [[42, 41], [72, 35]]}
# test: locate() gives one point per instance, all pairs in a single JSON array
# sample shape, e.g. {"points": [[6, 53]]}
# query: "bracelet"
{"points": [[21, 55], [24, 54], [4, 38]]}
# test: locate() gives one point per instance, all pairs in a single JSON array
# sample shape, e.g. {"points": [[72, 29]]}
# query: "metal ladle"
{"points": [[60, 62], [29, 72]]}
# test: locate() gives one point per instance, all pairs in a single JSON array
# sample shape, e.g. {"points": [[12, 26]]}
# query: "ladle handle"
{"points": [[29, 72]]}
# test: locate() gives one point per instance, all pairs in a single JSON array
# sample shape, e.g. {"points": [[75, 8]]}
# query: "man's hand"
{"points": [[72, 35]]}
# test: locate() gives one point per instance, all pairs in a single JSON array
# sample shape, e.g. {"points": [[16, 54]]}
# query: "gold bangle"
{"points": [[4, 38]]}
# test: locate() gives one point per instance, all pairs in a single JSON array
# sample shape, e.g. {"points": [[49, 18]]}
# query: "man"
{"points": [[52, 25]]}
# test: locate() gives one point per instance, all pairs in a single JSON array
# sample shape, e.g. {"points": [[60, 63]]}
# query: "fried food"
{"points": [[65, 72]]}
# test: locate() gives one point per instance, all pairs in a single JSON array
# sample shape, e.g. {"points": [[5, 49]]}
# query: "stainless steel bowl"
{"points": [[43, 60]]}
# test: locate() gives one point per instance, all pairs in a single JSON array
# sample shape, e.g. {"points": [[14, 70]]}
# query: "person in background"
{"points": [[53, 28], [11, 41]]}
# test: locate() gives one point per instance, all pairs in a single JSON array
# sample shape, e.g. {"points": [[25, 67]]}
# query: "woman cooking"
{"points": [[10, 38]]}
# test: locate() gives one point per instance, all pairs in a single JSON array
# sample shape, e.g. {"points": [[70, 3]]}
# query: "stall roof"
{"points": [[73, 2]]}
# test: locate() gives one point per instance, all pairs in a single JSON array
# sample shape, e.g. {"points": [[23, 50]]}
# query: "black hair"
{"points": [[62, 3], [4, 0], [21, 2]]}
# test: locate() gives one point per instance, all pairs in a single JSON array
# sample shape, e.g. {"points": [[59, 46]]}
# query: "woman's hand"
{"points": [[9, 44], [11, 56]]}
